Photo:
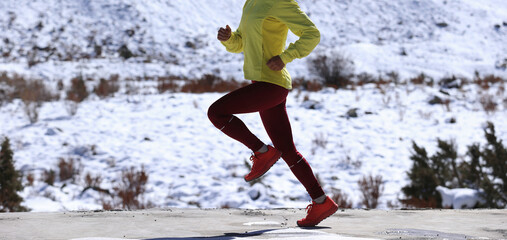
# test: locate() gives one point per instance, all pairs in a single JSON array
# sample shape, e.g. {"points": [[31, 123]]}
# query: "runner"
{"points": [[261, 36]]}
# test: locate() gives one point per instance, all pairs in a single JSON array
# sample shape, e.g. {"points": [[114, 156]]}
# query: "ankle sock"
{"points": [[263, 149], [320, 199]]}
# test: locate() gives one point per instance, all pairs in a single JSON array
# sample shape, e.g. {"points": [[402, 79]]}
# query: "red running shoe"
{"points": [[262, 162], [318, 212]]}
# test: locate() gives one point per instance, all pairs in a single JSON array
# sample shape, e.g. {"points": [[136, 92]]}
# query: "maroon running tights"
{"points": [[269, 100]]}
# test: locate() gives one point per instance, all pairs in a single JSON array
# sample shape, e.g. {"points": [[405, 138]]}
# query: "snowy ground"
{"points": [[189, 162]]}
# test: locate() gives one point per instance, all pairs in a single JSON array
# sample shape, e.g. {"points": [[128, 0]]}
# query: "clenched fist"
{"points": [[275, 63], [224, 33]]}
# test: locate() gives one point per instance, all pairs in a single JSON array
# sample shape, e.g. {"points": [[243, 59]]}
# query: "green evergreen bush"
{"points": [[483, 168], [490, 169], [10, 181], [422, 189]]}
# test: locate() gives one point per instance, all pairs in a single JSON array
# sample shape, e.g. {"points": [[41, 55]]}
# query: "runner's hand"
{"points": [[224, 33], [275, 63]]}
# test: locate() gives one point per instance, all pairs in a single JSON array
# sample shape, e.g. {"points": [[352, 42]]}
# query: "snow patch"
{"points": [[266, 223], [459, 197], [301, 234]]}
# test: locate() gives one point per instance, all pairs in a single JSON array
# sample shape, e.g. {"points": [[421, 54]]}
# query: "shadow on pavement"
{"points": [[315, 228], [226, 236]]}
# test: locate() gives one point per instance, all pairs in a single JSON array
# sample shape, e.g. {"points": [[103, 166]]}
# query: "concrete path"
{"points": [[230, 224]]}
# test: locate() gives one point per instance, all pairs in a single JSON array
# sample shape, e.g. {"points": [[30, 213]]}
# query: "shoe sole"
{"points": [[277, 158], [327, 214]]}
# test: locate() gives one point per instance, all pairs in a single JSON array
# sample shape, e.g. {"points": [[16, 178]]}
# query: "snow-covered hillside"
{"points": [[189, 162], [178, 37]]}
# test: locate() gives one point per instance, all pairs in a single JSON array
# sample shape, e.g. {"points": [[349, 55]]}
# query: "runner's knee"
{"points": [[216, 117], [212, 113]]}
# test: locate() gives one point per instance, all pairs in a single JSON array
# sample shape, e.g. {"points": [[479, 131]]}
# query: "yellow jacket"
{"points": [[262, 34]]}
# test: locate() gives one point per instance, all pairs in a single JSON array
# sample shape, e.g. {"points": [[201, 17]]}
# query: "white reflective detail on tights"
{"points": [[297, 162], [230, 120]]}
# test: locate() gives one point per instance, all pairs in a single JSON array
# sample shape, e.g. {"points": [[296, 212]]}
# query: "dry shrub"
{"points": [[371, 189], [393, 77], [77, 91], [107, 205], [93, 182], [341, 198], [107, 88], [488, 103], [313, 86], [303, 84], [30, 178], [447, 104], [422, 79], [298, 83], [31, 110], [382, 85], [501, 90], [364, 78], [10, 87], [225, 206], [336, 71], [167, 84], [494, 79], [211, 83], [131, 189], [49, 177], [76, 94], [33, 94], [486, 81], [320, 141], [68, 169]]}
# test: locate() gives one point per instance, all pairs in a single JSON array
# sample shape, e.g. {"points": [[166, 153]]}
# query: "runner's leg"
{"points": [[276, 122], [252, 98]]}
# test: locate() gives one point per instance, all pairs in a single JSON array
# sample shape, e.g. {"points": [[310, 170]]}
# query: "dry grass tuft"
{"points": [[68, 169], [107, 88], [211, 83], [129, 191], [371, 189], [341, 198]]}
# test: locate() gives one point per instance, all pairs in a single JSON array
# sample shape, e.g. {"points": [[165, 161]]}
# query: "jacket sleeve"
{"points": [[299, 23], [235, 43]]}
